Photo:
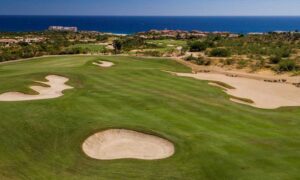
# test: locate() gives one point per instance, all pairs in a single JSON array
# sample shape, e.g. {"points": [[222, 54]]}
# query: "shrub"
{"points": [[74, 50], [197, 46], [220, 52], [242, 63], [258, 65], [129, 43], [203, 61], [275, 59], [152, 53], [102, 38], [285, 53], [229, 61], [287, 65], [190, 58]]}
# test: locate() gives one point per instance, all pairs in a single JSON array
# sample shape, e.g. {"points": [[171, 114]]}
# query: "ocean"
{"points": [[133, 24]]}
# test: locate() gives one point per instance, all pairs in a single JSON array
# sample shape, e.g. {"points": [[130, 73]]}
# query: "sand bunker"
{"points": [[104, 64], [122, 144], [56, 87], [265, 95]]}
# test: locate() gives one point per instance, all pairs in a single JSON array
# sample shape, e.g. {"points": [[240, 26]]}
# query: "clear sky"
{"points": [[151, 7]]}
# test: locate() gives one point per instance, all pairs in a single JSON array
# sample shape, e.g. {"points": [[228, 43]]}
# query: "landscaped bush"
{"points": [[220, 52]]}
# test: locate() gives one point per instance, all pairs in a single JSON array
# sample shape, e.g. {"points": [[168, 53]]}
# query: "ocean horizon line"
{"points": [[133, 24], [157, 15]]}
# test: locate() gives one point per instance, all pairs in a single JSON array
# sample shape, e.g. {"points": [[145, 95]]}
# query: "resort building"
{"points": [[8, 42], [63, 28]]}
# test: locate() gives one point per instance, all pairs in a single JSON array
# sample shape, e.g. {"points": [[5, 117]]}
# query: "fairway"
{"points": [[214, 138]]}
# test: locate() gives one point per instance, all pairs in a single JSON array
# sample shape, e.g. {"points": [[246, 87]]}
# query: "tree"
{"points": [[117, 46]]}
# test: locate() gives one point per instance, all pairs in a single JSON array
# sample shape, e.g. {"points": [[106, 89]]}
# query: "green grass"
{"points": [[214, 137], [167, 45], [166, 42], [92, 48]]}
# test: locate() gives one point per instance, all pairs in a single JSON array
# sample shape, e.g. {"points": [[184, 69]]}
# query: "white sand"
{"points": [[266, 95], [105, 64], [179, 48], [122, 144], [56, 87]]}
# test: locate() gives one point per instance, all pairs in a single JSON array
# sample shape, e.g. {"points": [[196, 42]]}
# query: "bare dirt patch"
{"points": [[56, 87], [266, 95], [123, 144]]}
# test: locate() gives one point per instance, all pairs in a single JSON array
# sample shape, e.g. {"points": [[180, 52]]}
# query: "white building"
{"points": [[63, 28]]}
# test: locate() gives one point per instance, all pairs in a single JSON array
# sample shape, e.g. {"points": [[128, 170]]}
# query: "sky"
{"points": [[152, 7]]}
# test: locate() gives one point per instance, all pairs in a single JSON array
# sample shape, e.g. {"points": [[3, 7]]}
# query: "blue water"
{"points": [[128, 25]]}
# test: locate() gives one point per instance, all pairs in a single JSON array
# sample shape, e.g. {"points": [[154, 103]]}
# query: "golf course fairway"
{"points": [[213, 137]]}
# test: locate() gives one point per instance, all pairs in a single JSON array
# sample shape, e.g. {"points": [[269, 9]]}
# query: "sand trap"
{"points": [[56, 87], [122, 144], [104, 64], [265, 95]]}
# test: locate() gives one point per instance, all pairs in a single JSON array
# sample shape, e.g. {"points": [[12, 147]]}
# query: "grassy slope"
{"points": [[167, 42], [163, 45], [94, 48], [214, 137]]}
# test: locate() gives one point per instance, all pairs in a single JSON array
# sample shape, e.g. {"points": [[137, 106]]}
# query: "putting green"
{"points": [[214, 138]]}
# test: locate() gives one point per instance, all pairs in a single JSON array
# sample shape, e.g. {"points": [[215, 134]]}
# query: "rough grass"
{"points": [[166, 42], [92, 48], [214, 137], [163, 45]]}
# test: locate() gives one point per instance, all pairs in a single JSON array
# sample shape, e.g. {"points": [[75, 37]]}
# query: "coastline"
{"points": [[134, 24]]}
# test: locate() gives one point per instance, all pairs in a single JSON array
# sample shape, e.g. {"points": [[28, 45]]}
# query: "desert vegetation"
{"points": [[279, 52], [26, 45]]}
